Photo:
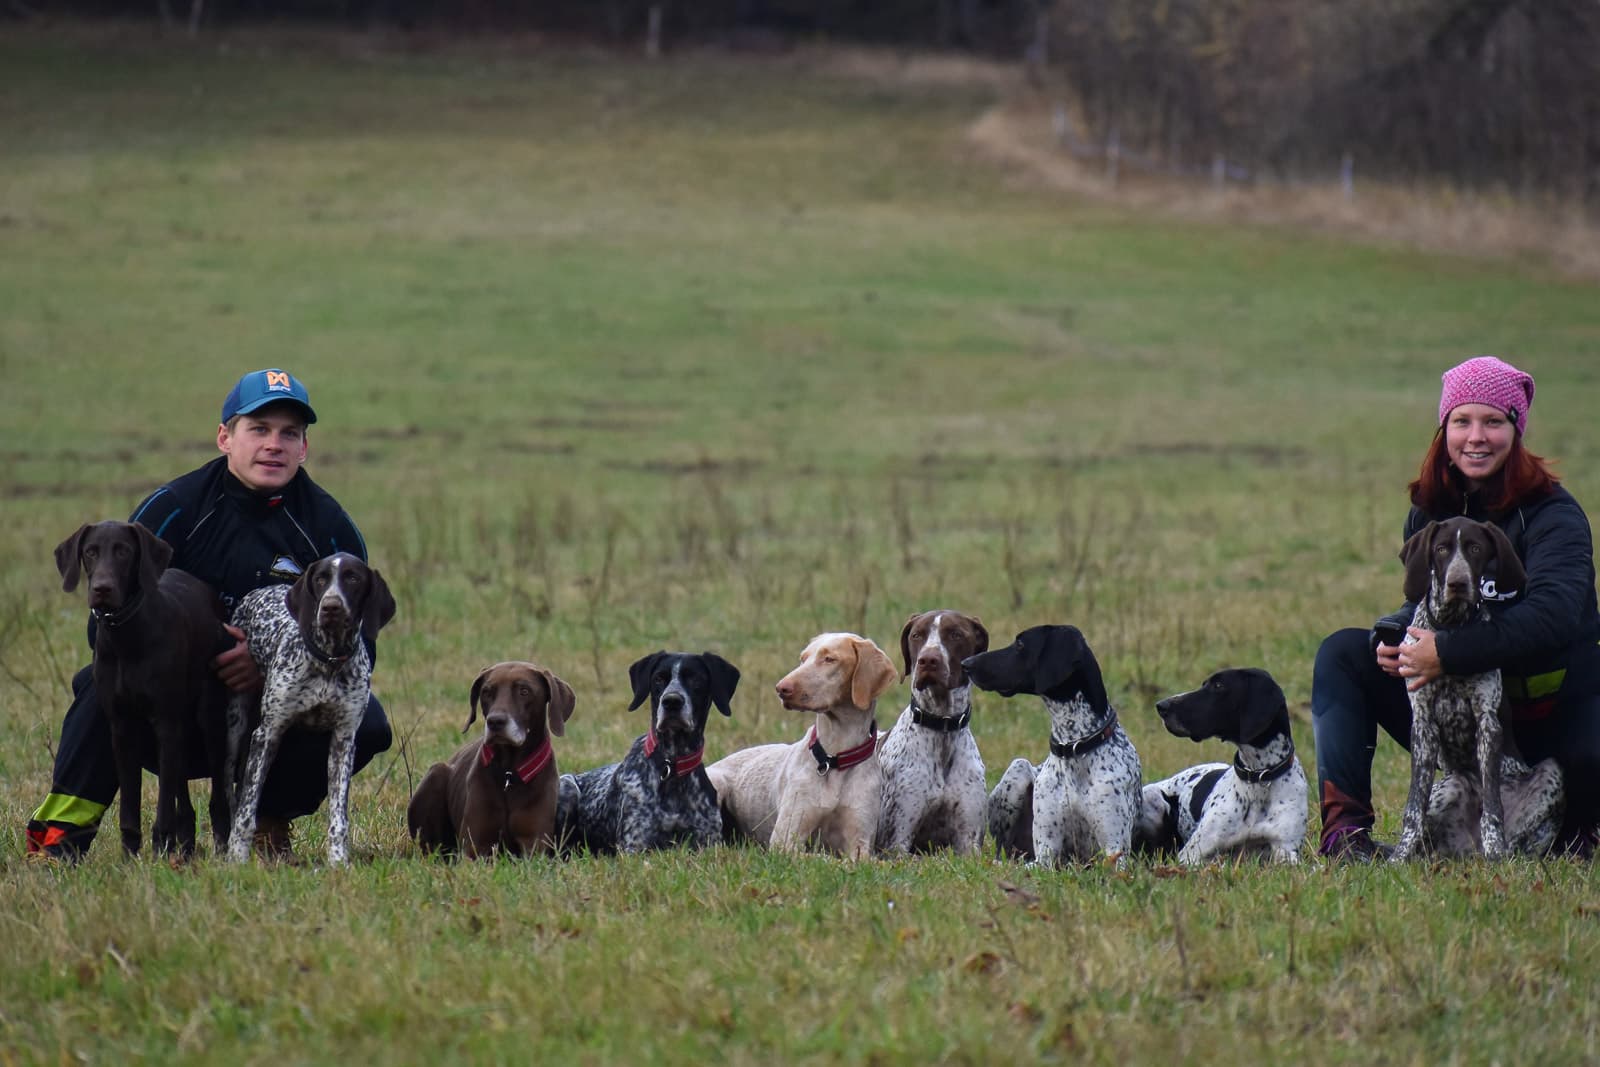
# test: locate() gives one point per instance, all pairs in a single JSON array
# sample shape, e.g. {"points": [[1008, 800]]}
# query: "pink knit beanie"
{"points": [[1491, 381]]}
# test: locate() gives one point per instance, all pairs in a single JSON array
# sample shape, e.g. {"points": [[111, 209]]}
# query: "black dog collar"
{"points": [[113, 619], [333, 659], [938, 723], [1067, 749], [1267, 774]]}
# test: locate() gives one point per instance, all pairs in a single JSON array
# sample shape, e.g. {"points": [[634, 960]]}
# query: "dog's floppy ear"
{"points": [[379, 607], [472, 698], [154, 555], [69, 560], [299, 597], [1057, 657], [562, 702], [905, 645], [724, 680], [874, 674], [639, 675], [1263, 703], [1418, 558], [1509, 576]]}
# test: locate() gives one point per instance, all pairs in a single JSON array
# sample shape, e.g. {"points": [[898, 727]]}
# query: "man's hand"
{"points": [[236, 667]]}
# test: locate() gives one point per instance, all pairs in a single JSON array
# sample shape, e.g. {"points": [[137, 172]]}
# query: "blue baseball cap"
{"points": [[262, 387]]}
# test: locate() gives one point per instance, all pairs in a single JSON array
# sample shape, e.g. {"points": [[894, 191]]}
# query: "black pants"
{"points": [[1351, 697], [84, 782]]}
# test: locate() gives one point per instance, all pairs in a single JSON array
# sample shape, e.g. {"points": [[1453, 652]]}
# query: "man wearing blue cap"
{"points": [[250, 517]]}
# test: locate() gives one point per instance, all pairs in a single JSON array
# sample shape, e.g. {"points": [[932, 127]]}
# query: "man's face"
{"points": [[265, 448]]}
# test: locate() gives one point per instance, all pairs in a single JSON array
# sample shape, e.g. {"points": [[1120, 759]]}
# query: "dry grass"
{"points": [[1431, 216]]}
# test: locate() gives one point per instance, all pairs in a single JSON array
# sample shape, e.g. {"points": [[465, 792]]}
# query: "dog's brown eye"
{"points": [[523, 691], [918, 635]]}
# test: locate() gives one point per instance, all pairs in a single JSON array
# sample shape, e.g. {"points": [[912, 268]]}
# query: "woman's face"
{"points": [[1478, 439]]}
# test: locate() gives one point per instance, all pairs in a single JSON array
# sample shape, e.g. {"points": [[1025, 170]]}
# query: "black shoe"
{"points": [[1356, 846]]}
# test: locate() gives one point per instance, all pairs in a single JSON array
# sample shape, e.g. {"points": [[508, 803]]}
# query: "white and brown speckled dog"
{"points": [[1081, 803], [933, 793], [825, 790], [1255, 806], [308, 641], [1457, 721]]}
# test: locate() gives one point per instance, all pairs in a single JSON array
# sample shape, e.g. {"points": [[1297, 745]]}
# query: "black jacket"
{"points": [[238, 540], [1554, 623]]}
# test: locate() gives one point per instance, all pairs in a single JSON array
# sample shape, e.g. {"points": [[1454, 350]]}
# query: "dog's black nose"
{"points": [[672, 702]]}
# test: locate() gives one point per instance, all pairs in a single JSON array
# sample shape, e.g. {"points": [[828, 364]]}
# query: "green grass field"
{"points": [[721, 352]]}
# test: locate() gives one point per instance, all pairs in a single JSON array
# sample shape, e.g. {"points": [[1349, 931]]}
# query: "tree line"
{"points": [[1488, 93]]}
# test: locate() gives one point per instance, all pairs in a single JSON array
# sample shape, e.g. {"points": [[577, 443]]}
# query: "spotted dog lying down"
{"points": [[658, 796], [1255, 805]]}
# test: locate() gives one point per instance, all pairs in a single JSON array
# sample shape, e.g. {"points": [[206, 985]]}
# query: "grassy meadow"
{"points": [[719, 352]]}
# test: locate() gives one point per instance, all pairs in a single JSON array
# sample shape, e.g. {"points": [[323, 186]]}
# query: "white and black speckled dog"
{"points": [[659, 795], [1083, 800], [1254, 806], [307, 640], [1456, 720], [933, 792]]}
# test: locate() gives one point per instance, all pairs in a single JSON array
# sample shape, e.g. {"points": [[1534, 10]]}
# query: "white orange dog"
{"points": [[825, 790]]}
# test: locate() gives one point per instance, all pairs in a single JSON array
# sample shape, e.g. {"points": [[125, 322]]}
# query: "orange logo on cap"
{"points": [[277, 379]]}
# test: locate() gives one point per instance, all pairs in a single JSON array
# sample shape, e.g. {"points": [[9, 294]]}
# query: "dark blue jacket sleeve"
{"points": [[1533, 632]]}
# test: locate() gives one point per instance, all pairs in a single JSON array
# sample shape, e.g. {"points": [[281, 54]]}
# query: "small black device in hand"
{"points": [[1390, 634]]}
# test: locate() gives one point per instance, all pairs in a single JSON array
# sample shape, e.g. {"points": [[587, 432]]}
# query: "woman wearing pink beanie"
{"points": [[1543, 639]]}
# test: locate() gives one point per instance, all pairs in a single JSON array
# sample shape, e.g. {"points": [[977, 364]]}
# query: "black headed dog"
{"points": [[1081, 802], [659, 795], [1257, 804]]}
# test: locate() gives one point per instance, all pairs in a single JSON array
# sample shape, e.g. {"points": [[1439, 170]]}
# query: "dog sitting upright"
{"points": [[1082, 801], [1257, 804], [826, 789], [933, 792], [498, 792], [659, 795], [1457, 720]]}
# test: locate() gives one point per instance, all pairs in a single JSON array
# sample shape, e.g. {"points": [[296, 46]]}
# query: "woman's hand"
{"points": [[1418, 660], [236, 667], [1389, 659]]}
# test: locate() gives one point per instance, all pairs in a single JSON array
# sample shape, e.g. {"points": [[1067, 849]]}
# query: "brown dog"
{"points": [[156, 632], [500, 791]]}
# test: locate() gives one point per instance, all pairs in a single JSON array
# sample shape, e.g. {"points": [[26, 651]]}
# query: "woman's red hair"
{"points": [[1438, 489]]}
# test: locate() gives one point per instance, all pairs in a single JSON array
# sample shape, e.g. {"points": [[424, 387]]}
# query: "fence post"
{"points": [[1347, 176], [1113, 155], [652, 39], [1219, 170]]}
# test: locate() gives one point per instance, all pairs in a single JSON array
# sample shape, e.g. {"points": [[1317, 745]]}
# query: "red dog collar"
{"points": [[537, 761], [843, 761], [671, 768]]}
